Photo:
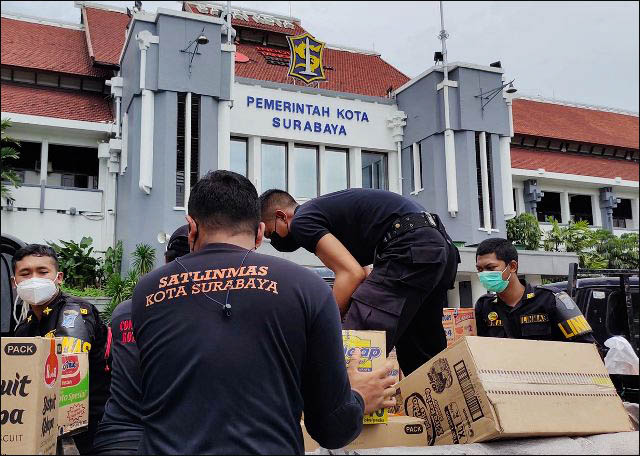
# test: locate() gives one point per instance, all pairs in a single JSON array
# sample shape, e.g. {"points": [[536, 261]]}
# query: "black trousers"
{"points": [[405, 293]]}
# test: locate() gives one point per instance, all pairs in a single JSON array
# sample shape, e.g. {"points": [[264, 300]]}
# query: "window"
{"points": [[6, 74], [72, 166], [278, 40], [251, 36], [374, 170], [24, 76], [69, 82], [489, 180], [305, 171], [28, 162], [549, 206], [274, 165], [622, 216], [47, 79], [238, 153], [580, 208], [336, 169], [92, 85], [181, 146]]}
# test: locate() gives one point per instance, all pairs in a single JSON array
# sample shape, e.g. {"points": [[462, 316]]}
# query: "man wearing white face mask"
{"points": [[54, 314], [517, 310]]}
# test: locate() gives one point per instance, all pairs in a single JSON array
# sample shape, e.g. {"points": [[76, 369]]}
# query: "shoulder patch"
{"points": [[530, 295], [566, 300]]}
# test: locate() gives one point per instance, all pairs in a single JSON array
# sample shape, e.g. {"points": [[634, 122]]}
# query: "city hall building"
{"points": [[120, 114]]}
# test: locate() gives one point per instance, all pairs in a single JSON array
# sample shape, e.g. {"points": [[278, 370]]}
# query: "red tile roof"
{"points": [[251, 23], [351, 72], [582, 165], [42, 101], [46, 47], [106, 32], [556, 121]]}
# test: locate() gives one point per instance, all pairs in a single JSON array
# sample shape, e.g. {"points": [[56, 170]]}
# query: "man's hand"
{"points": [[375, 387]]}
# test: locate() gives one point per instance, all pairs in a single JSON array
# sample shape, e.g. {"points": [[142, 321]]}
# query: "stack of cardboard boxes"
{"points": [[457, 323], [45, 393]]}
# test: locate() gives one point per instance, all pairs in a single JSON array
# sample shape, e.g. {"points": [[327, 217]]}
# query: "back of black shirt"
{"points": [[358, 217], [121, 421], [237, 384]]}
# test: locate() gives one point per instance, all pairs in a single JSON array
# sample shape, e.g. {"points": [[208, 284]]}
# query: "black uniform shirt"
{"points": [[357, 217], [79, 324], [235, 384], [121, 421], [541, 314]]}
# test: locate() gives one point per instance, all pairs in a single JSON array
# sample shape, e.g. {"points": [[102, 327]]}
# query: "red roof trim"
{"points": [[567, 163]]}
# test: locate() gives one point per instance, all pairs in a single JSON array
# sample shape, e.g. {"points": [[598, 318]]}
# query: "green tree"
{"points": [[80, 268], [8, 153], [524, 230]]}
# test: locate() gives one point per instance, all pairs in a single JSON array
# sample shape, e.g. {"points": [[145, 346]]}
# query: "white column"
{"points": [[565, 212], [393, 171], [477, 289], [520, 199], [355, 167], [635, 213], [254, 171], [224, 134], [484, 172], [595, 210], [417, 172], [321, 170], [44, 160], [453, 296], [124, 152], [146, 141], [507, 182], [187, 151], [291, 172], [450, 165]]}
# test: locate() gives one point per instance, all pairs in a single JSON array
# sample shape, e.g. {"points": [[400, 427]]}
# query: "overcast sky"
{"points": [[585, 52]]}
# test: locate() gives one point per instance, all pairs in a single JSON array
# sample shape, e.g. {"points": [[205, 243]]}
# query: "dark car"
{"points": [[8, 246]]}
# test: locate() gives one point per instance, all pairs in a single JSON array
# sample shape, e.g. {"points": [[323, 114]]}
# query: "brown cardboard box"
{"points": [[73, 405], [397, 431], [373, 347], [484, 388], [458, 322], [31, 372]]}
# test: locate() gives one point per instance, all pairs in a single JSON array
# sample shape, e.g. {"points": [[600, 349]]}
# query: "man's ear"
{"points": [[260, 235], [513, 266], [192, 230], [281, 214], [60, 277]]}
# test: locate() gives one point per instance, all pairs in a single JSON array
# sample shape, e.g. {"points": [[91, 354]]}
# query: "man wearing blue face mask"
{"points": [[54, 314], [515, 309]]}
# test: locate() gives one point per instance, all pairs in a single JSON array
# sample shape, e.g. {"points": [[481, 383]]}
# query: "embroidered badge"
{"points": [[46, 311], [493, 316], [84, 311], [530, 295]]}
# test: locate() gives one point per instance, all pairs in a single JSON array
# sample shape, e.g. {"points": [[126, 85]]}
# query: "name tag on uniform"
{"points": [[535, 318], [493, 320]]}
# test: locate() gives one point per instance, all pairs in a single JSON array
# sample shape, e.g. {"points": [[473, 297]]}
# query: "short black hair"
{"points": [[504, 249], [35, 250], [275, 199], [227, 201]]}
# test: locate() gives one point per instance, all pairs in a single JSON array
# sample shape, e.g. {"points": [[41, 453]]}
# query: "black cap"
{"points": [[179, 241]]}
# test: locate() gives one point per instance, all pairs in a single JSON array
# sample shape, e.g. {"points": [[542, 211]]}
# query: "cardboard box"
{"points": [[73, 405], [31, 372], [484, 388], [458, 322], [373, 347], [397, 431]]}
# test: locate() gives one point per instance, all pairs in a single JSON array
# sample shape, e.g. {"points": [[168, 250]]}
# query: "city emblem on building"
{"points": [[306, 58]]}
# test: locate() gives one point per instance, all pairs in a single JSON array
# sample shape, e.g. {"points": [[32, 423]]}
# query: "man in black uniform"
{"points": [[54, 314], [518, 310], [233, 344], [121, 429], [414, 262]]}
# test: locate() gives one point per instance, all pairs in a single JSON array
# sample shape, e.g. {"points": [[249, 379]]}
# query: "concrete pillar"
{"points": [[507, 181], [355, 167], [565, 211], [635, 213], [477, 289], [291, 171], [321, 170], [394, 182], [595, 211], [44, 160], [453, 296], [254, 145], [224, 134], [519, 200], [531, 195], [608, 202]]}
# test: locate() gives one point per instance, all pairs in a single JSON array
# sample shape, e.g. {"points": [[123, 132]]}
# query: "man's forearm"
{"points": [[344, 286]]}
